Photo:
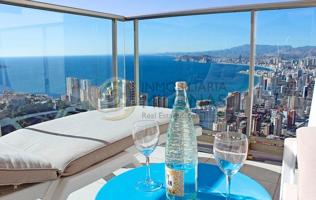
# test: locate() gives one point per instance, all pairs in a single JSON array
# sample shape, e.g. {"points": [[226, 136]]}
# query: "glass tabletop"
{"points": [[211, 183]]}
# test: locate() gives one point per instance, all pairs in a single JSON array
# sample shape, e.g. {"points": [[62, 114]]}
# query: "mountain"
{"points": [[284, 51]]}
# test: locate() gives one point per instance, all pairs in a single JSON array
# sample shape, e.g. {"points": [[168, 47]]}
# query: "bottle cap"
{"points": [[181, 85]]}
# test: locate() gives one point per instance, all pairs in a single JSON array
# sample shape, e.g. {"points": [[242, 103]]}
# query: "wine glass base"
{"points": [[148, 186]]}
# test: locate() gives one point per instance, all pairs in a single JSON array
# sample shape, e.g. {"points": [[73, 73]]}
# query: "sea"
{"points": [[158, 74]]}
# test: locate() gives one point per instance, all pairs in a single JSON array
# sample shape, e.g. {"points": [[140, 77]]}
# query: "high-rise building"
{"points": [[94, 96], [297, 104], [5, 83], [314, 61], [305, 91], [310, 91], [284, 90], [292, 102], [129, 92], [291, 119], [220, 126], [156, 101], [266, 129], [106, 100], [299, 72], [232, 105], [159, 101], [255, 124], [73, 90], [163, 102], [300, 83], [265, 84], [143, 99], [291, 83], [257, 97], [277, 122], [84, 90], [233, 101], [269, 103], [207, 113], [274, 83], [244, 101]]}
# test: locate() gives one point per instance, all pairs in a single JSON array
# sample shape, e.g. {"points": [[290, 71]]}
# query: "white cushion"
{"points": [[306, 159], [68, 139], [13, 158], [19, 167]]}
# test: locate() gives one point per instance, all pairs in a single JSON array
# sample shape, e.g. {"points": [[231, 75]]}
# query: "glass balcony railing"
{"points": [[51, 65], [282, 99], [197, 49]]}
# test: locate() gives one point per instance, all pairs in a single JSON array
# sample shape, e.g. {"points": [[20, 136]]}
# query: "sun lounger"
{"points": [[55, 158]]}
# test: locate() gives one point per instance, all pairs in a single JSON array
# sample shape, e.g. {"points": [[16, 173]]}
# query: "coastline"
{"points": [[244, 72], [224, 63], [151, 66]]}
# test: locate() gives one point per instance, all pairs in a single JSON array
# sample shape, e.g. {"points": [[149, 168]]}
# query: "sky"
{"points": [[29, 32]]}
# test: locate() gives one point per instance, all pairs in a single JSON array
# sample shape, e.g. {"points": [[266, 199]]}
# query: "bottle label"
{"points": [[175, 182]]}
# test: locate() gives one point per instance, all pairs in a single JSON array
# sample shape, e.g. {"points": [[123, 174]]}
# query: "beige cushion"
{"points": [[18, 167], [306, 158], [101, 154], [74, 143]]}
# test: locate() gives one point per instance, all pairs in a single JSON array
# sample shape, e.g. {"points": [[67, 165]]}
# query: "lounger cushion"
{"points": [[306, 161], [18, 167], [76, 142]]}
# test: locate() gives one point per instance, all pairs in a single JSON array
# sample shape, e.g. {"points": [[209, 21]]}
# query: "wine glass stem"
{"points": [[228, 183], [148, 177]]}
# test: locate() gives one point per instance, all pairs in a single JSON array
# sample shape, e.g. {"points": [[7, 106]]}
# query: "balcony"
{"points": [[251, 68]]}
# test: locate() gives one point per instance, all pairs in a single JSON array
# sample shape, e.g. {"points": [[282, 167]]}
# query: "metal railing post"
{"points": [[114, 62], [136, 61], [251, 71], [114, 48]]}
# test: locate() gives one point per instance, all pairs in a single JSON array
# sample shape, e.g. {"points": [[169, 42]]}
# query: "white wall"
{"points": [[312, 116]]}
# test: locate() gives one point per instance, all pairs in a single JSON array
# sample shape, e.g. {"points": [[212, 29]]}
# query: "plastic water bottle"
{"points": [[181, 150]]}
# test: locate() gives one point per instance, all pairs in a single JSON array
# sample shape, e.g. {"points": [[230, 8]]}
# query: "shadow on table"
{"points": [[214, 196], [221, 196], [211, 177]]}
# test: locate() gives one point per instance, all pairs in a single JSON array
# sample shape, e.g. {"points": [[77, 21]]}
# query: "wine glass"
{"points": [[146, 136], [230, 152]]}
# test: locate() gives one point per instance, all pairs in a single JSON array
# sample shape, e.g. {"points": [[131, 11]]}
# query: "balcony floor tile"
{"points": [[89, 192]]}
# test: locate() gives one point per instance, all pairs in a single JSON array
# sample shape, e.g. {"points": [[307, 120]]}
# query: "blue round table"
{"points": [[211, 183]]}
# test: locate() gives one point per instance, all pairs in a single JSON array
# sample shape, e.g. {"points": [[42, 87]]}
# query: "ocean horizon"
{"points": [[158, 74]]}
